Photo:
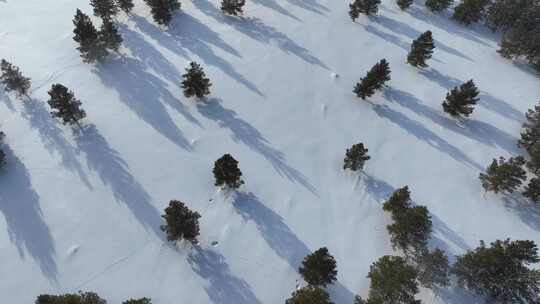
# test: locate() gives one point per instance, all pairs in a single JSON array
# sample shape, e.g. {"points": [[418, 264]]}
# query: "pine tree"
{"points": [[438, 5], [105, 9], [367, 7], [162, 10], [354, 10], [531, 129], [226, 172], [421, 50], [433, 268], [233, 7], [3, 161], [138, 301], [90, 46], [404, 4], [500, 272], [355, 157], [503, 14], [181, 223], [195, 82], [392, 281], [504, 175], [374, 80], [319, 268], [65, 106], [80, 298], [532, 190], [13, 80], [110, 36], [309, 295], [533, 164], [469, 11], [461, 100], [125, 5], [399, 201]]}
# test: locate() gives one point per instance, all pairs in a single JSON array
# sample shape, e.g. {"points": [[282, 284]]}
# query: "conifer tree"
{"points": [[374, 80], [461, 100], [181, 223], [65, 106], [438, 5], [532, 190], [162, 10], [110, 36], [226, 172], [319, 268], [404, 4], [531, 129], [355, 157], [533, 164], [503, 14], [233, 7], [138, 301], [125, 5], [504, 175], [195, 82], [78, 298], [392, 281], [399, 201], [421, 50], [2, 153], [433, 268], [354, 10], [309, 295], [90, 46], [105, 9], [410, 230], [13, 80], [469, 11], [367, 7]]}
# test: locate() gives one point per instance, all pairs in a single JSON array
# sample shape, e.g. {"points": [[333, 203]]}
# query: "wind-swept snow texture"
{"points": [[81, 211]]}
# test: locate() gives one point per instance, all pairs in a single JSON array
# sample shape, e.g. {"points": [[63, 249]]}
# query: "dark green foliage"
{"points": [[162, 10], [367, 7], [355, 157], [65, 106], [105, 9], [504, 175], [532, 190], [534, 162], [195, 82], [125, 5], [359, 300], [2, 153], [226, 172], [433, 268], [531, 129], [354, 11], [13, 80], [399, 201], [503, 14], [309, 295], [404, 4], [393, 281], [500, 272], [80, 298], [319, 268], [461, 100], [421, 50], [233, 7], [138, 301], [110, 36], [374, 80], [438, 5], [92, 48], [180, 222], [469, 11]]}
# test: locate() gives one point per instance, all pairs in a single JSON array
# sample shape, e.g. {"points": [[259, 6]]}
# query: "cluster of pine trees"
{"points": [[82, 298]]}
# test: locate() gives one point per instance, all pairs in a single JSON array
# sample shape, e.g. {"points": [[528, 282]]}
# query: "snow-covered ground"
{"points": [[82, 211]]}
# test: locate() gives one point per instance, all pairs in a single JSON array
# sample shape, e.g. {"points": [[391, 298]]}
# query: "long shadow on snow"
{"points": [[273, 5], [114, 173], [7, 100], [143, 93], [257, 30], [479, 131], [188, 33], [224, 287], [280, 238], [528, 212], [19, 203], [245, 133]]}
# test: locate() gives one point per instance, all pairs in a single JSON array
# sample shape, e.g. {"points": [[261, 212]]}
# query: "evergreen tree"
{"points": [[421, 50], [433, 268], [181, 223], [319, 268], [500, 272], [80, 298], [355, 157], [309, 295], [374, 80], [138, 301], [367, 7], [438, 5], [354, 10], [399, 201], [125, 5], [13, 80], [534, 162], [110, 36], [503, 14], [532, 190], [233, 7], [404, 4], [162, 10], [195, 82], [90, 46], [410, 229], [65, 106], [359, 300], [469, 11], [2, 154], [461, 100], [531, 129], [504, 176], [226, 172], [105, 9], [393, 281]]}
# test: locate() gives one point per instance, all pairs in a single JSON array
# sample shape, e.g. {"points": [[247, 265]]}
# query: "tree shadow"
{"points": [[114, 173], [388, 37], [527, 211], [419, 131], [280, 238], [224, 287], [188, 33], [245, 133], [143, 93], [19, 203], [273, 5], [310, 5], [378, 189], [449, 235], [477, 130], [7, 99], [52, 137]]}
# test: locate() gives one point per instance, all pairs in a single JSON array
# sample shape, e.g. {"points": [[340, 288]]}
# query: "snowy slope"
{"points": [[82, 211]]}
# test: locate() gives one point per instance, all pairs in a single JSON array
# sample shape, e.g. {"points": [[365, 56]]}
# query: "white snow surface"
{"points": [[82, 211]]}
